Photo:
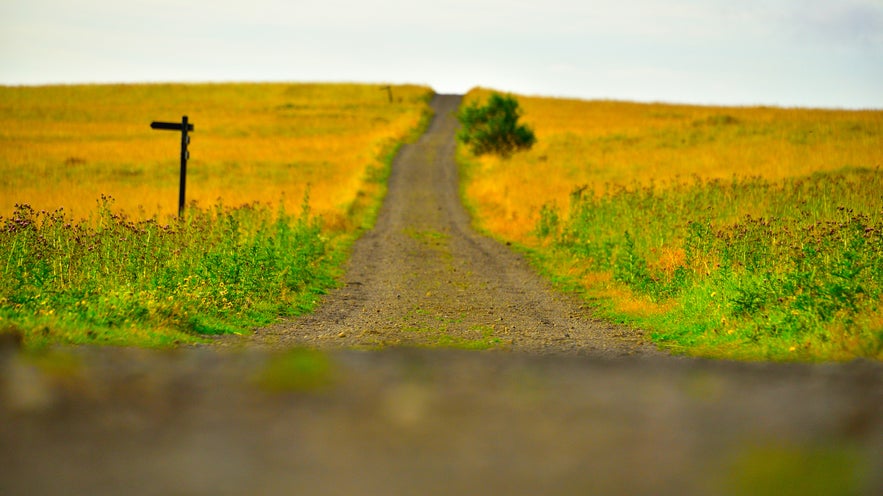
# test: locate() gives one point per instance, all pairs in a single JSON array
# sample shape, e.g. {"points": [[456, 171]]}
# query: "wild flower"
{"points": [[215, 271], [788, 272]]}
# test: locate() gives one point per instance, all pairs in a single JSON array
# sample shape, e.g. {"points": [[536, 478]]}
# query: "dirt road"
{"points": [[562, 405], [424, 277]]}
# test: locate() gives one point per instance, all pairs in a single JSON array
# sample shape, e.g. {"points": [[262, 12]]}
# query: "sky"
{"points": [[804, 53]]}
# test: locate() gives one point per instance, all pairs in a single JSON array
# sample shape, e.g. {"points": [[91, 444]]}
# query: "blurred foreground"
{"points": [[408, 421]]}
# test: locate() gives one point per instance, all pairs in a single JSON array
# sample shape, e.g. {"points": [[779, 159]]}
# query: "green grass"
{"points": [[431, 337], [428, 237], [298, 370], [111, 280], [786, 469], [740, 269], [438, 334]]}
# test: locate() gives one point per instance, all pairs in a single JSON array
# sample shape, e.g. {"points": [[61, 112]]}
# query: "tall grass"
{"points": [[114, 280], [65, 146], [802, 281], [751, 233], [607, 144]]}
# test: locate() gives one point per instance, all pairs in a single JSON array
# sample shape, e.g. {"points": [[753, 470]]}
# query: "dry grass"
{"points": [[746, 233], [64, 146], [604, 144]]}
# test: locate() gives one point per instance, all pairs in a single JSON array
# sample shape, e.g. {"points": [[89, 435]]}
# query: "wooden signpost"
{"points": [[185, 128], [388, 92]]}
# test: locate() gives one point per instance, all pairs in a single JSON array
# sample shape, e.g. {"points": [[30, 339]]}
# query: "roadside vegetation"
{"points": [[746, 233], [282, 179]]}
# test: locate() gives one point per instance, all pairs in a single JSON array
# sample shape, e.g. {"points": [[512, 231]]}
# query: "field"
{"points": [[748, 233], [280, 179], [65, 146], [751, 233]]}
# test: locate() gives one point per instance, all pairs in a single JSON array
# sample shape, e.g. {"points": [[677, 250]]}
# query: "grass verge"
{"points": [[123, 282], [801, 278]]}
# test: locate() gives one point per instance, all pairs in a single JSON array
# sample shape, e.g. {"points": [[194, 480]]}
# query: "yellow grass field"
{"points": [[604, 143], [729, 232], [65, 146]]}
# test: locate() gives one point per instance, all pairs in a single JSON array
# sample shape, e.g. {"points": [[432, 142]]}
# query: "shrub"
{"points": [[494, 128]]}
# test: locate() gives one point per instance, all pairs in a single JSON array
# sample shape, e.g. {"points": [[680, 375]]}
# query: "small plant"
{"points": [[493, 128]]}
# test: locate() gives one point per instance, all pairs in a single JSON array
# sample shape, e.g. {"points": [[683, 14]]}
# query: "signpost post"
{"points": [[388, 92], [185, 128]]}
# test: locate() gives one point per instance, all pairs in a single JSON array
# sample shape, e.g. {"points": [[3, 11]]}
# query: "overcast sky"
{"points": [[819, 53]]}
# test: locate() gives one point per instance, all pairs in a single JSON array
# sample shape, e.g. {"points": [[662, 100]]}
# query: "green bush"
{"points": [[493, 128]]}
